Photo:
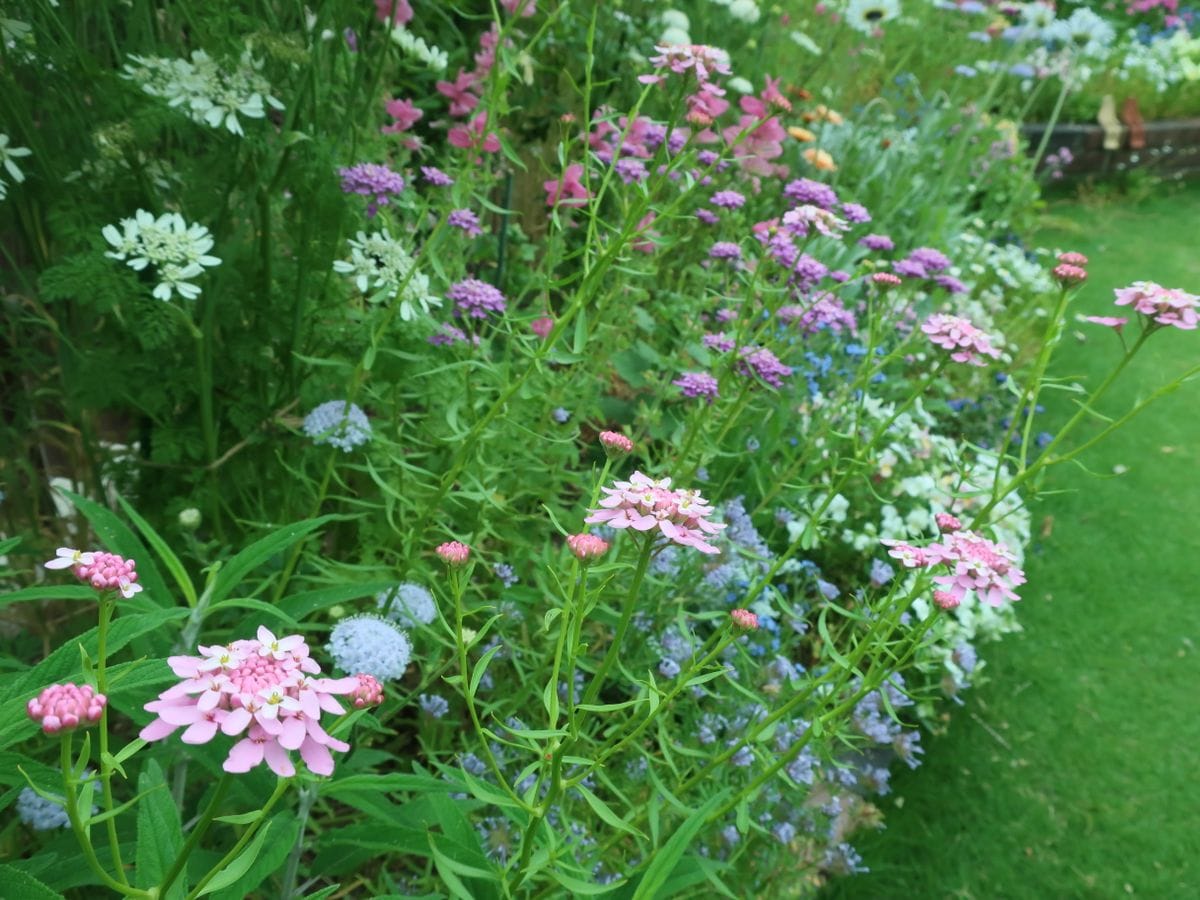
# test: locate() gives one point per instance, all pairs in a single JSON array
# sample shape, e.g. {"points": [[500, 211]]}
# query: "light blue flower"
{"points": [[370, 645], [339, 424]]}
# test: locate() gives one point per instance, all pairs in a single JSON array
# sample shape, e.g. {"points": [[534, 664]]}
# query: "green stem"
{"points": [[614, 648], [81, 835], [245, 839], [107, 603], [197, 833]]}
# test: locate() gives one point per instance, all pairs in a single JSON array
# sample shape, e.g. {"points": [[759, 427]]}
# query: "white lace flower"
{"points": [[416, 47], [177, 251], [382, 269], [210, 93], [7, 155]]}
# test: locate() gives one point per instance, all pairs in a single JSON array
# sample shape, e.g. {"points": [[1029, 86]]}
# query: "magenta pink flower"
{"points": [[1071, 258], [587, 547], [458, 91], [706, 105], [259, 688], [616, 443], [453, 553], [966, 341], [976, 564], [1162, 306], [1116, 323], [369, 692], [405, 113], [103, 571], [910, 557], [542, 326], [393, 12], [886, 279], [645, 505], [743, 618], [525, 8], [567, 190], [65, 707], [474, 136]]}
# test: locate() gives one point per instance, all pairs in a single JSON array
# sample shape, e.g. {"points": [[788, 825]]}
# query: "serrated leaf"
{"points": [[20, 886]]}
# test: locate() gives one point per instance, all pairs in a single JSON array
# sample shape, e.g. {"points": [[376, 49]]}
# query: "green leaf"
{"points": [[20, 886], [481, 667], [165, 553], [580, 888], [260, 551], [159, 831], [64, 592], [303, 604], [241, 865], [600, 808], [241, 818], [259, 606], [285, 831], [665, 861], [118, 538]]}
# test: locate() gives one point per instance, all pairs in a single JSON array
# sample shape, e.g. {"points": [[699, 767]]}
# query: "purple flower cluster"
{"points": [[929, 259], [805, 190], [856, 212], [728, 199], [697, 384], [436, 176], [372, 180], [725, 250], [475, 299], [877, 242], [765, 364], [466, 220]]}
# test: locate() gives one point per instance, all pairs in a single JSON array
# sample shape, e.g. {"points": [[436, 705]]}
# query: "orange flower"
{"points": [[820, 159], [801, 134], [823, 113]]}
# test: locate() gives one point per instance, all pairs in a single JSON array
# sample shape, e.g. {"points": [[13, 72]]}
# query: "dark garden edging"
{"points": [[1171, 145]]}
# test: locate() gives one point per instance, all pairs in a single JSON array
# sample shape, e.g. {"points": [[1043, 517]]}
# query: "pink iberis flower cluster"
{"points": [[643, 504], [967, 343], [1160, 305], [262, 689], [102, 570], [976, 564]]}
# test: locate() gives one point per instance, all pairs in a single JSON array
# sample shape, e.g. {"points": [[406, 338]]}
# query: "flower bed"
{"points": [[549, 471]]}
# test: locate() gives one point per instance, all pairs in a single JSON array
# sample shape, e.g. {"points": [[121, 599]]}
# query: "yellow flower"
{"points": [[801, 134]]}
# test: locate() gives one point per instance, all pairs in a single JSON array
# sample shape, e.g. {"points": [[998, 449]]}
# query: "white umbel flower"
{"points": [[210, 93], [382, 269], [7, 155], [177, 251]]}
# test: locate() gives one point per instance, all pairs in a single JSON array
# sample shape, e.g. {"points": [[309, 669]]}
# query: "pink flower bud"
{"points": [[886, 279], [1069, 274], [453, 553], [947, 522], [587, 546], [1072, 258], [946, 600], [368, 693], [743, 618], [65, 707], [542, 326], [616, 443]]}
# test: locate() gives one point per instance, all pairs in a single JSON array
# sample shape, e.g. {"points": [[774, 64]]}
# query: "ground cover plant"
{"points": [[503, 450]]}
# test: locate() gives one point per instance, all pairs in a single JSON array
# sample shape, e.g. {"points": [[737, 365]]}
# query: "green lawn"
{"points": [[1075, 772]]}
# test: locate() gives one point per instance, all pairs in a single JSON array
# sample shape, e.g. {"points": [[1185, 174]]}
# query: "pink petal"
{"points": [[236, 721], [244, 756], [278, 759], [293, 733], [200, 733], [157, 730], [318, 759]]}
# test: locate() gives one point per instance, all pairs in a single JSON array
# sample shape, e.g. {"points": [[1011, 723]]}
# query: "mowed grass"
{"points": [[1075, 771]]}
